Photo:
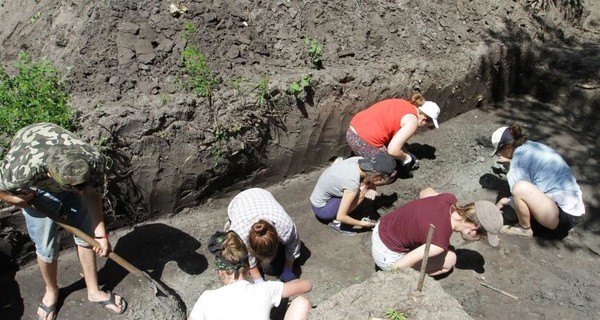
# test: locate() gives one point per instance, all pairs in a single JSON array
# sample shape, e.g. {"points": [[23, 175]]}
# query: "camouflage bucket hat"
{"points": [[67, 166]]}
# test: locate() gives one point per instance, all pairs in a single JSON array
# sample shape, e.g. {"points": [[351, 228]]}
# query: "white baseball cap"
{"points": [[432, 110], [500, 138]]}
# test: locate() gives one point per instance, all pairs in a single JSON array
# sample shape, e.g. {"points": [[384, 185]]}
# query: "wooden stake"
{"points": [[425, 258]]}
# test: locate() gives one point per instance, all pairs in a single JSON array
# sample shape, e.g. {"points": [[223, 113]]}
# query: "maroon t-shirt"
{"points": [[405, 228]]}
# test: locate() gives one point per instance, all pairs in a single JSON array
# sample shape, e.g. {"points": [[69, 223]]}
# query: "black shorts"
{"points": [[566, 222]]}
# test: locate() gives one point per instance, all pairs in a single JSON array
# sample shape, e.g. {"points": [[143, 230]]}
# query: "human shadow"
{"points": [[422, 151], [491, 181], [164, 242], [369, 208], [278, 261], [10, 299], [469, 260]]}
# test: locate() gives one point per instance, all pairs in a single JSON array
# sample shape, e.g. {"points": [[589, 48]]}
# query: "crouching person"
{"points": [[399, 238], [263, 225], [240, 299]]}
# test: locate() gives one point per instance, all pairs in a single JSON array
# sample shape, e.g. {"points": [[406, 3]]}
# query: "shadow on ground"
{"points": [[163, 243], [11, 302]]}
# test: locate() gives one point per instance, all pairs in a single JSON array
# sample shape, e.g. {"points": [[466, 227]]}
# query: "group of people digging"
{"points": [[49, 167]]}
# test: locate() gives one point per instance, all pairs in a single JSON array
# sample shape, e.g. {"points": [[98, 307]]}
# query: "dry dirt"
{"points": [[552, 279], [534, 62]]}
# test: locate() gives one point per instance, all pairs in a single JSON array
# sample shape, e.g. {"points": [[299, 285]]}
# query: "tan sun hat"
{"points": [[490, 219]]}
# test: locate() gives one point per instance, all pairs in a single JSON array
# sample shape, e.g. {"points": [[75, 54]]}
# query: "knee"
{"points": [[522, 188], [450, 261], [47, 254], [299, 308]]}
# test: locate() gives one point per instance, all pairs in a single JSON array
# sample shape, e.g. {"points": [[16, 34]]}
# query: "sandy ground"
{"points": [[552, 279]]}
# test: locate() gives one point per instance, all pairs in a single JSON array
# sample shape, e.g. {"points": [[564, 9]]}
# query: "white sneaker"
{"points": [[337, 226]]}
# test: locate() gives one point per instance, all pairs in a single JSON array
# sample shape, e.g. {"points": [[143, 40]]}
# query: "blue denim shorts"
{"points": [[43, 231]]}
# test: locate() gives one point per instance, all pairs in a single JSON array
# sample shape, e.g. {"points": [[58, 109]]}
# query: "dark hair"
{"points": [[417, 99], [518, 137], [263, 240]]}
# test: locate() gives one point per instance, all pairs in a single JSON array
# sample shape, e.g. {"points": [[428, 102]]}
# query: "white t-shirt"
{"points": [[239, 300]]}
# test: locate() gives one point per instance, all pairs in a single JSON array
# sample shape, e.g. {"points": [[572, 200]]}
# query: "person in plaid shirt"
{"points": [[262, 223]]}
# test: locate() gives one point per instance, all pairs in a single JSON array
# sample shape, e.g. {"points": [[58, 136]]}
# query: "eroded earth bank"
{"points": [[183, 155]]}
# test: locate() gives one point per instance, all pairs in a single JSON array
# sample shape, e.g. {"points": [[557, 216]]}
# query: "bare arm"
{"points": [[255, 273], [349, 203], [408, 127], [93, 203], [296, 287], [428, 192], [412, 258], [21, 201]]}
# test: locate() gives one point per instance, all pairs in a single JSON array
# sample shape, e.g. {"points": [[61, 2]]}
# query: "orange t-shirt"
{"points": [[377, 124]]}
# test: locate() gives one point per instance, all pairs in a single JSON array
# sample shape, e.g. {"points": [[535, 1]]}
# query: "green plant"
{"points": [[34, 94], [189, 30], [263, 94], [221, 134], [163, 135], [297, 87], [201, 79], [165, 98], [314, 53], [35, 17], [103, 141], [395, 315]]}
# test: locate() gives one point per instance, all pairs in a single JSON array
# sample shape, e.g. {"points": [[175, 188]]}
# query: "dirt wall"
{"points": [[172, 149]]}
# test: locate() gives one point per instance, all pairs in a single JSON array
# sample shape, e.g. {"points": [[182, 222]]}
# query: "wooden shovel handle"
{"points": [[85, 237]]}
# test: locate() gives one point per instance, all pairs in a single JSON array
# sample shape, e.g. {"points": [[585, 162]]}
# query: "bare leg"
{"points": [[87, 258], [298, 309], [529, 200], [439, 264], [49, 273]]}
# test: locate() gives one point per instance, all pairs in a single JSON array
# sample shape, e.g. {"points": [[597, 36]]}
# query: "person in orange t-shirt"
{"points": [[386, 126]]}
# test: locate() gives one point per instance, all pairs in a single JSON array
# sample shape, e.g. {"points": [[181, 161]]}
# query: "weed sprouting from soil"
{"points": [[189, 30], [201, 79], [34, 94], [264, 100], [395, 315], [296, 88], [221, 135], [314, 53]]}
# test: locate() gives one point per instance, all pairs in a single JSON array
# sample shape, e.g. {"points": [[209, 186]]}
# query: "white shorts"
{"points": [[384, 258]]}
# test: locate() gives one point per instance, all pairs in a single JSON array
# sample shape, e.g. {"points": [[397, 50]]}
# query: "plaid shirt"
{"points": [[255, 204]]}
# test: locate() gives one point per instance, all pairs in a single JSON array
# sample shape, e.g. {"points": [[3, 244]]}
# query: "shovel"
{"points": [[171, 302]]}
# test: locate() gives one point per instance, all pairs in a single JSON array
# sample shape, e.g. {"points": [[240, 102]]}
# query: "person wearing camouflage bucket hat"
{"points": [[67, 166], [240, 299], [53, 168]]}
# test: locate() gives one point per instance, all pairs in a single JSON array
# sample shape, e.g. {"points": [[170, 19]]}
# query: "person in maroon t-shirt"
{"points": [[399, 238]]}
